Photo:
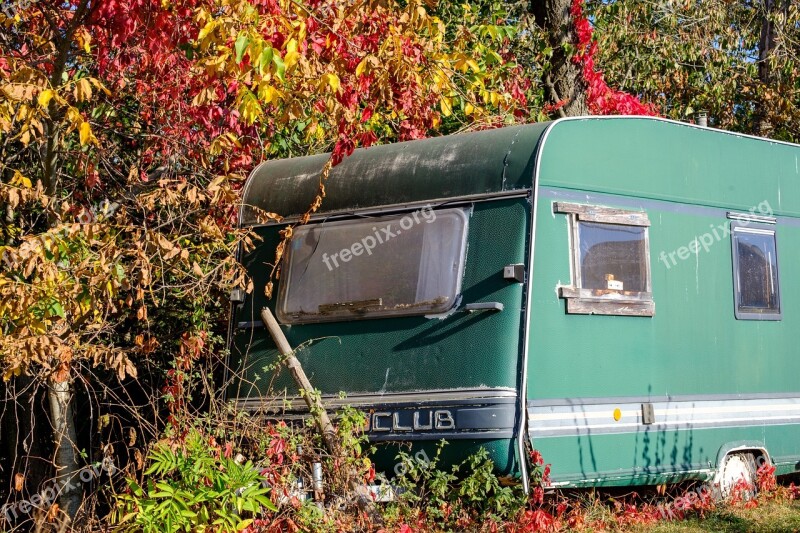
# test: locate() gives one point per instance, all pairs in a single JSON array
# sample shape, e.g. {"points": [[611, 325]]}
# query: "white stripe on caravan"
{"points": [[565, 419]]}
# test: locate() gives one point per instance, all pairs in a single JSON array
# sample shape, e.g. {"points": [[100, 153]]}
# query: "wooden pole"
{"points": [[308, 393], [314, 404]]}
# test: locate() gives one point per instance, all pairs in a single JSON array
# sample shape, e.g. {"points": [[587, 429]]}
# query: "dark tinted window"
{"points": [[756, 273], [613, 252]]}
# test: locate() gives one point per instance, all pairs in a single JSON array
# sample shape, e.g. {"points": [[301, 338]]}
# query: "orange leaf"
{"points": [[52, 513], [62, 373]]}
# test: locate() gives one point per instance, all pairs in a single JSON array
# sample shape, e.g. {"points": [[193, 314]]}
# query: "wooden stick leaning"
{"points": [[314, 404], [308, 393]]}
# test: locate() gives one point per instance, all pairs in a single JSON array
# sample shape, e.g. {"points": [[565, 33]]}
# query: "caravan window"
{"points": [[610, 260], [612, 256], [374, 267], [755, 272]]}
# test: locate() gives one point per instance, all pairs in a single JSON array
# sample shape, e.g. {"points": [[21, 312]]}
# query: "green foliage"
{"points": [[469, 491], [190, 488], [735, 60]]}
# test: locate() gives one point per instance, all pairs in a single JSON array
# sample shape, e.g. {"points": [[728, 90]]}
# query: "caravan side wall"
{"points": [[713, 381]]}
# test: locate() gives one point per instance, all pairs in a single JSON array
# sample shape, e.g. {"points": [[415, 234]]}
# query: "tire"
{"points": [[737, 468]]}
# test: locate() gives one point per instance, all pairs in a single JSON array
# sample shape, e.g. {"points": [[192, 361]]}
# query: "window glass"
{"points": [[613, 252], [373, 267], [756, 276]]}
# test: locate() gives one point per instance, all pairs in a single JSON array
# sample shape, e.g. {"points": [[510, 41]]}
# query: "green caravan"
{"points": [[616, 292]]}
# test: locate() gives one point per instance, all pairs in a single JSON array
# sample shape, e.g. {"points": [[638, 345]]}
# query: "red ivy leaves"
{"points": [[601, 99]]}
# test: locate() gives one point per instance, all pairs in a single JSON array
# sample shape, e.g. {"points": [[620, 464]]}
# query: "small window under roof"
{"points": [[755, 272]]}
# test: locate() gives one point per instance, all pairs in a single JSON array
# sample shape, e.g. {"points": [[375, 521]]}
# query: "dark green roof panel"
{"points": [[491, 161]]}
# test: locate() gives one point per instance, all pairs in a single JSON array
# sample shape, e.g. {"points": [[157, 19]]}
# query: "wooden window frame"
{"points": [[604, 301]]}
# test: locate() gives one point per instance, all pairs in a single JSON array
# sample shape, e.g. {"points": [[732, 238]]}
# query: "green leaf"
{"points": [[241, 45], [243, 524], [266, 503], [55, 309], [265, 59], [280, 67]]}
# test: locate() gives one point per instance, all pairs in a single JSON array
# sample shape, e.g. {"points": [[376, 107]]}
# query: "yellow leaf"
{"points": [[12, 372], [268, 93], [469, 109], [208, 28], [361, 66], [83, 90], [291, 58], [446, 107], [85, 132], [45, 97], [74, 116], [84, 39], [99, 85], [333, 81], [20, 180]]}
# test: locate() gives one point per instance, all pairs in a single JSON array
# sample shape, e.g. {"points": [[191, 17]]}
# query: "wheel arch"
{"points": [[758, 448]]}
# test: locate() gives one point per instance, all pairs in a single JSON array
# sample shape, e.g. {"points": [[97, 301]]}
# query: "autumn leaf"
{"points": [[21, 181], [240, 46], [83, 90], [85, 133], [61, 373], [52, 513], [207, 29], [445, 106], [45, 97]]}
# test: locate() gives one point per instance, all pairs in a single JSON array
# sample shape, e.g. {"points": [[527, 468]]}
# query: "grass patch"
{"points": [[772, 516]]}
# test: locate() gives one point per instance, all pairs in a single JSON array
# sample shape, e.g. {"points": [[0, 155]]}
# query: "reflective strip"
{"points": [[378, 399], [598, 418]]}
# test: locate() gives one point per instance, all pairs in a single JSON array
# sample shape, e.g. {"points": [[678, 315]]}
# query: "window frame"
{"points": [[580, 300], [757, 227], [463, 213]]}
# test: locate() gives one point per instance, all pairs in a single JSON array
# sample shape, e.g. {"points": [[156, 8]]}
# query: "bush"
{"points": [[191, 486]]}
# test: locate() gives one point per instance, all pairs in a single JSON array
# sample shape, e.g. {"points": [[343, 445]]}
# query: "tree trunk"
{"points": [[774, 13], [564, 80], [60, 398], [60, 395]]}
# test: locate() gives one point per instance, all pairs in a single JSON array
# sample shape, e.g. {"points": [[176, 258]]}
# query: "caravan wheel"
{"points": [[737, 476]]}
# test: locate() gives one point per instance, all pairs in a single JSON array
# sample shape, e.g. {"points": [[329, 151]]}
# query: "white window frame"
{"points": [[365, 313], [738, 228]]}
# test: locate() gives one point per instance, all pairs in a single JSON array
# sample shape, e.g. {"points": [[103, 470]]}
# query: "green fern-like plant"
{"points": [[188, 488]]}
